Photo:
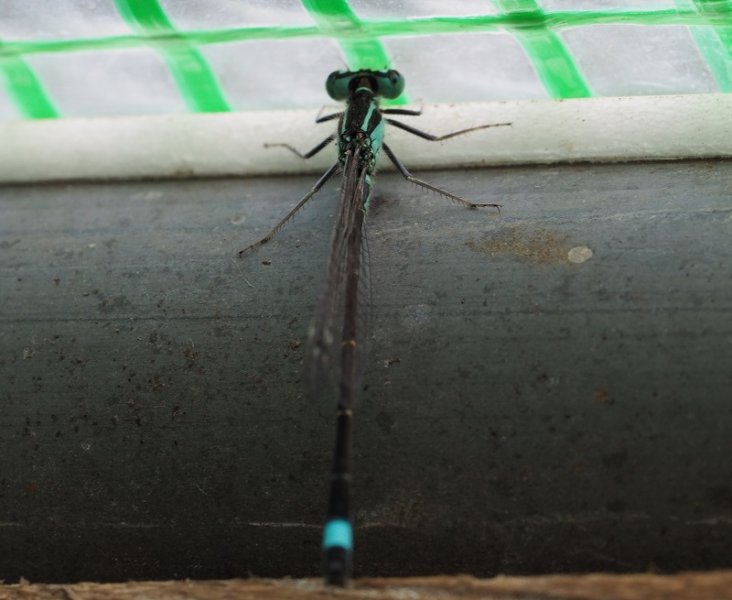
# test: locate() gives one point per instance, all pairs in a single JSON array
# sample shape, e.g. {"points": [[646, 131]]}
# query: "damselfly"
{"points": [[336, 332]]}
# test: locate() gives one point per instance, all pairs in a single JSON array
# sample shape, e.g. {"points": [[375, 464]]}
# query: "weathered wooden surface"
{"points": [[684, 586], [525, 413]]}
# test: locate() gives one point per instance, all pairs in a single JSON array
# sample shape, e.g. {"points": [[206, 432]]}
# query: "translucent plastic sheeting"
{"points": [[79, 58]]}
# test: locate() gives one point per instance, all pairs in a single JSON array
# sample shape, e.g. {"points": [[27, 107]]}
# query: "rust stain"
{"points": [[533, 244], [602, 396]]}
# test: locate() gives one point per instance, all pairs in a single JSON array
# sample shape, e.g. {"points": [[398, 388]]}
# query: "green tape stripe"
{"points": [[365, 52], [193, 76], [714, 44], [379, 29], [553, 62], [25, 89], [714, 6]]}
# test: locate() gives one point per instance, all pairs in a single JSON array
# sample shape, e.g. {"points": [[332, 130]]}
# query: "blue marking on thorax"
{"points": [[338, 533], [368, 182], [377, 138], [367, 118]]}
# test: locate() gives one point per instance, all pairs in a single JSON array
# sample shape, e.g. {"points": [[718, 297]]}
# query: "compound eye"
{"points": [[392, 85], [337, 85]]}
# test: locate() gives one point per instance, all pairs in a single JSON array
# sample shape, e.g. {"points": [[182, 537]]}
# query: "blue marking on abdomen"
{"points": [[338, 533]]}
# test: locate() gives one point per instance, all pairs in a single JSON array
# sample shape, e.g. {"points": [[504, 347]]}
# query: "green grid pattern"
{"points": [[710, 22], [551, 59], [195, 80]]}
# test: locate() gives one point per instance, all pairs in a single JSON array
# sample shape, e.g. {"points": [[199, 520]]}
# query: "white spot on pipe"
{"points": [[579, 254]]}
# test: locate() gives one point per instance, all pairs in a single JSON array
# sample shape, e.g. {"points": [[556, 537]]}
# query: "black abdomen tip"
{"points": [[337, 566]]}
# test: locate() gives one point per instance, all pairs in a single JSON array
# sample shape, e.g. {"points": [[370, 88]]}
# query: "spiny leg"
{"points": [[439, 138], [409, 177], [323, 118], [315, 189], [310, 153], [402, 111]]}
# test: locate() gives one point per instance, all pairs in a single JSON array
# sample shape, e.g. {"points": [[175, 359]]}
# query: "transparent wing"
{"points": [[326, 334]]}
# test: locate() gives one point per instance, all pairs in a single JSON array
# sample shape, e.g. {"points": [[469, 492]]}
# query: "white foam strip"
{"points": [[542, 131]]}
